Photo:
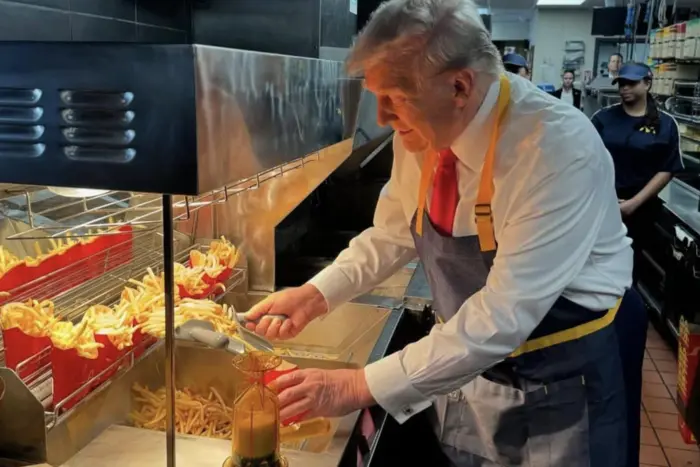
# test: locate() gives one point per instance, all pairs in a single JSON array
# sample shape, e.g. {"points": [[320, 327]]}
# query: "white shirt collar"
{"points": [[466, 146]]}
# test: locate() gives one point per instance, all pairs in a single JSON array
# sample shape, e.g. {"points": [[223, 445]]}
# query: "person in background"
{"points": [[517, 65], [614, 65], [567, 93], [509, 201], [645, 148]]}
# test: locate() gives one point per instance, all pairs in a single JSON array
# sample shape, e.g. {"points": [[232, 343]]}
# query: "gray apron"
{"points": [[560, 406]]}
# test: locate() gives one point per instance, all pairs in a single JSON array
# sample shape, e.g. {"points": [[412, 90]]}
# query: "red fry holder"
{"points": [[20, 347], [272, 375], [141, 341], [70, 373], [107, 356], [79, 263], [211, 284]]}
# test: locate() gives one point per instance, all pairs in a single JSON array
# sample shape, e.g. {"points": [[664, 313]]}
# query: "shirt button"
{"points": [[407, 411]]}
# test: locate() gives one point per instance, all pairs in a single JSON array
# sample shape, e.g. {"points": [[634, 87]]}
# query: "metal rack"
{"points": [[110, 211], [105, 290]]}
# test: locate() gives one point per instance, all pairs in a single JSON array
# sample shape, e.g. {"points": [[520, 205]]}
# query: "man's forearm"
{"points": [[371, 258]]}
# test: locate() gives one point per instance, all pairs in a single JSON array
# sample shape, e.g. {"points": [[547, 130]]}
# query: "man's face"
{"points": [[424, 120], [568, 80], [632, 91], [614, 63]]}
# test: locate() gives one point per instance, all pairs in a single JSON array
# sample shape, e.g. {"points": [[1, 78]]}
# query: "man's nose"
{"points": [[385, 114]]}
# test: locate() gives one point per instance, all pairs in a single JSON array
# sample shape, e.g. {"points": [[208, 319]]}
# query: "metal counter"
{"points": [[147, 448], [683, 201]]}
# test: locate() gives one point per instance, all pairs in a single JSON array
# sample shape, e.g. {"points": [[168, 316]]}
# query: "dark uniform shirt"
{"points": [[638, 153]]}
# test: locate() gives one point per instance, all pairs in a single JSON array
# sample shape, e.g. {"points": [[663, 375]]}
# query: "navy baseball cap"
{"points": [[514, 59], [634, 72]]}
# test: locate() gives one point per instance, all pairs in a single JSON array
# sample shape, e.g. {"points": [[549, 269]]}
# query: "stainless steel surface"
{"points": [[22, 428], [255, 340], [200, 368], [249, 219], [102, 215], [239, 112], [683, 201], [257, 111], [345, 338]]}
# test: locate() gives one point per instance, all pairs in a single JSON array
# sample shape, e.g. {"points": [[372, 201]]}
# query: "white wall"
{"points": [[550, 30], [511, 24]]}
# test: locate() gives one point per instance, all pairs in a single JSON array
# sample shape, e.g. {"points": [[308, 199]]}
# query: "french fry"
{"points": [[33, 318], [227, 253], [65, 335], [194, 414], [111, 322], [7, 261]]}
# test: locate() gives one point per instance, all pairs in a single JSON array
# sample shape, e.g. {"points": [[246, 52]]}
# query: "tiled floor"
{"points": [[662, 444]]}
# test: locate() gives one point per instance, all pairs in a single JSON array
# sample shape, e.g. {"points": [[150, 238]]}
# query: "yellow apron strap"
{"points": [[483, 197], [482, 209], [568, 335]]}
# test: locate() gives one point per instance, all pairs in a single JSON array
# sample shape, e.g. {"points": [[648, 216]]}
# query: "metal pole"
{"points": [[647, 41], [168, 268]]}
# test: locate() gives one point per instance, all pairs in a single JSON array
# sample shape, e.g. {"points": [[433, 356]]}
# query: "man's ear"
{"points": [[463, 82]]}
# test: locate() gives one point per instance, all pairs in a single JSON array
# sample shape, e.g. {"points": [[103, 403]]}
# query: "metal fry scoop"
{"points": [[196, 330]]}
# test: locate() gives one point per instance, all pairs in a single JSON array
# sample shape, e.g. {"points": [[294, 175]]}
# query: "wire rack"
{"points": [[106, 213], [105, 289]]}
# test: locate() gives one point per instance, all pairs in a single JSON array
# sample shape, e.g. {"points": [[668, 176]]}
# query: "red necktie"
{"points": [[443, 204]]}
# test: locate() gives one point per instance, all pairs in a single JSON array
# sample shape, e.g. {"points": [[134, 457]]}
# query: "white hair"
{"points": [[428, 37]]}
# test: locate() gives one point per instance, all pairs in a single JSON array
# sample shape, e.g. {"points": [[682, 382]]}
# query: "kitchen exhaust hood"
{"points": [[176, 119]]}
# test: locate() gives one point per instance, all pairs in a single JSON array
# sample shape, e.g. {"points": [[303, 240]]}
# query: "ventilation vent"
{"points": [[97, 125], [21, 131]]}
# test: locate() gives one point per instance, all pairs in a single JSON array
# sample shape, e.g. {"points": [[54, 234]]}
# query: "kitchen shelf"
{"points": [[105, 214]]}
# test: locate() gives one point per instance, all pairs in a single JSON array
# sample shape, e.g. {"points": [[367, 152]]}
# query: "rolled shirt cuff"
{"points": [[392, 389]]}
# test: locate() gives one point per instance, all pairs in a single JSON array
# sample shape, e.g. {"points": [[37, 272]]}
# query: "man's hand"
{"points": [[301, 304], [627, 207], [322, 393]]}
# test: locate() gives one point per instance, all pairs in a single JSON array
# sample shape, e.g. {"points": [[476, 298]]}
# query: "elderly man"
{"points": [[507, 196]]}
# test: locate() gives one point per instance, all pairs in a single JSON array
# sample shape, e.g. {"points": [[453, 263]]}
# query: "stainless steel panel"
{"points": [[22, 432], [190, 118], [257, 111], [249, 219]]}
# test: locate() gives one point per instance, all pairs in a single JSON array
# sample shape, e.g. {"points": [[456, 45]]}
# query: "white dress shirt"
{"points": [[559, 232], [567, 96]]}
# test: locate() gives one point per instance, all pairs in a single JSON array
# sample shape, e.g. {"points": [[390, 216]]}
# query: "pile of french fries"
{"points": [[194, 414], [34, 318], [141, 307], [56, 247], [65, 336], [188, 309]]}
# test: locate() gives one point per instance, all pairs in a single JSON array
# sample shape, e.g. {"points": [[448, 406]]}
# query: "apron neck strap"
{"points": [[484, 217]]}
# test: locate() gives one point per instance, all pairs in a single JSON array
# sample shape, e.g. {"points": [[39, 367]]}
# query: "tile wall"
{"points": [[151, 21]]}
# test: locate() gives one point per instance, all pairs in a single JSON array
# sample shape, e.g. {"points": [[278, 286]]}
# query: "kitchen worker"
{"points": [[645, 147], [516, 64], [507, 196]]}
